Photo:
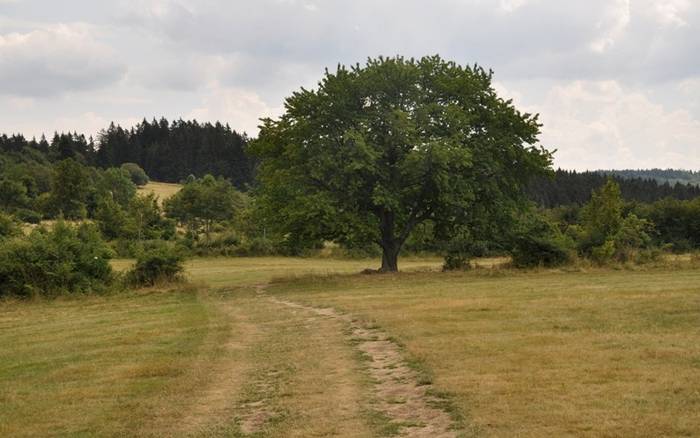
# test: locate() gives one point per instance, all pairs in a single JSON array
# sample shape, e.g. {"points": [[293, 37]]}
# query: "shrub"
{"points": [[548, 250], [540, 243], [456, 262], [461, 249], [8, 226], [257, 246], [136, 173], [604, 253], [66, 259], [28, 216], [160, 263]]}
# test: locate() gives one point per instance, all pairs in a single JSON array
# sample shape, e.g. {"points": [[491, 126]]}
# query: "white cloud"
{"points": [[671, 12], [240, 108], [512, 5], [601, 125], [612, 25], [88, 123]]}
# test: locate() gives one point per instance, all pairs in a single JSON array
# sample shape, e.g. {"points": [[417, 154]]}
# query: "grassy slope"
{"points": [[608, 353], [162, 190]]}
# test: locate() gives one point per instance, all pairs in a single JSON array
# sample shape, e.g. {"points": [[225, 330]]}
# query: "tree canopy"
{"points": [[202, 202], [377, 149]]}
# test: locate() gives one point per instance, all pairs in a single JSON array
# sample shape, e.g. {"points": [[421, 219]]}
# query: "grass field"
{"points": [[160, 189], [604, 353], [597, 353]]}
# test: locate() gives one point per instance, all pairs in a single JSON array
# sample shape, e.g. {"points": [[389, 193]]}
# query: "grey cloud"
{"points": [[55, 59], [582, 64], [556, 35]]}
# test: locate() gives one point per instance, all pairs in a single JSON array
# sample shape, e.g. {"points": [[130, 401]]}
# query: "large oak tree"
{"points": [[377, 149]]}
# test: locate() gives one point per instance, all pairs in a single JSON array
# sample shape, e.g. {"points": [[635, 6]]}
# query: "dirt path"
{"points": [[408, 404], [305, 379]]}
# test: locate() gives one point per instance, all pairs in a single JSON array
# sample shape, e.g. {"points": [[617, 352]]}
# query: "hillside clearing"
{"points": [[161, 189]]}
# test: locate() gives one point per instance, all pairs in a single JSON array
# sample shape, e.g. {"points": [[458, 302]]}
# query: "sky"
{"points": [[616, 82]]}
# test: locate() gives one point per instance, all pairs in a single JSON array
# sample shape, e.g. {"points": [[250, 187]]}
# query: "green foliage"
{"points": [[141, 219], [69, 190], [147, 219], [158, 263], [8, 226], [13, 195], [462, 247], [632, 235], [28, 216], [112, 219], [569, 187], [65, 259], [136, 173], [203, 202], [378, 149], [602, 216], [538, 242], [607, 235], [116, 184], [676, 222]]}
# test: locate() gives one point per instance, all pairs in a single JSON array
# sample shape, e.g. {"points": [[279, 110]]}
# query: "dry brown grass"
{"points": [[160, 189], [96, 365], [590, 353], [599, 353]]}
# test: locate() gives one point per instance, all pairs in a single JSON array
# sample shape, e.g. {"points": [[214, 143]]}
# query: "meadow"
{"points": [[585, 352], [161, 189]]}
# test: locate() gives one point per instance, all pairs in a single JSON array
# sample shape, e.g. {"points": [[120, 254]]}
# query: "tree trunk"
{"points": [[390, 259], [390, 245]]}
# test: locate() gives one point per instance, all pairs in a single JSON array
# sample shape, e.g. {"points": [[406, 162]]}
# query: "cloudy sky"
{"points": [[617, 82]]}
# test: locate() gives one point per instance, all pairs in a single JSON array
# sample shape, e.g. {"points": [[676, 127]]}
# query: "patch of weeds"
{"points": [[444, 401], [423, 374], [396, 341], [381, 424]]}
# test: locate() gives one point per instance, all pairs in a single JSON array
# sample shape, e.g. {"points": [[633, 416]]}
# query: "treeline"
{"points": [[569, 187], [168, 152], [671, 176]]}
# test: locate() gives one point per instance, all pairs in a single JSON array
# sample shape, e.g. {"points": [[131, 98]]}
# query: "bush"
{"points": [[548, 251], [540, 243], [160, 263], [8, 227], [461, 249], [604, 253], [456, 262], [136, 173], [257, 246], [66, 259], [28, 216]]}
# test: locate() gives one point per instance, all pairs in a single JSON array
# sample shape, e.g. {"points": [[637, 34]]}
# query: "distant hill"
{"points": [[568, 187], [167, 151], [671, 176]]}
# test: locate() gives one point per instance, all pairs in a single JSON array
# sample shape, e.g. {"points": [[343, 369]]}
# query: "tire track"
{"points": [[397, 389]]}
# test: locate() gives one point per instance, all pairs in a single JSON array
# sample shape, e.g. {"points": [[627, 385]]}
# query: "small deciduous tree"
{"points": [[136, 173], [376, 150], [69, 189], [115, 183], [202, 202], [607, 233]]}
